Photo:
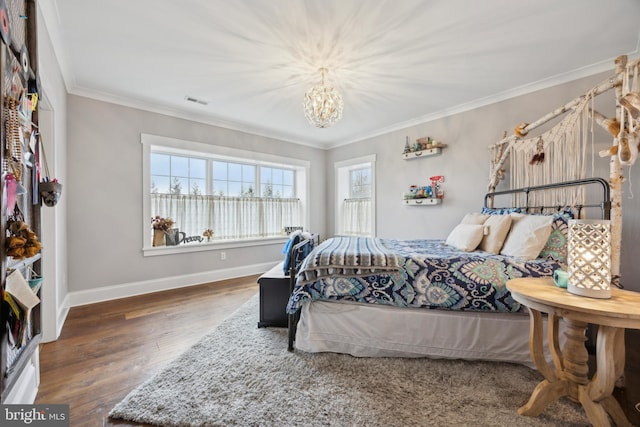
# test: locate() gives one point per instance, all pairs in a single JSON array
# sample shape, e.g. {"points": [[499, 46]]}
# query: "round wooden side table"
{"points": [[570, 376]]}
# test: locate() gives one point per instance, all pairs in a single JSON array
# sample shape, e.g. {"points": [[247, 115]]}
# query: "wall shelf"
{"points": [[422, 202], [422, 153]]}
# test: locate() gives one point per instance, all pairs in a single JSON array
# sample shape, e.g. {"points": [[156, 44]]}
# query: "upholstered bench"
{"points": [[274, 295]]}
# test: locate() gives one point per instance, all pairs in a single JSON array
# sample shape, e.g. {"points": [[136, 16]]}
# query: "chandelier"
{"points": [[322, 104]]}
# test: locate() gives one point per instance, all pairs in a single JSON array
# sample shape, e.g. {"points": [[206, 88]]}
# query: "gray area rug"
{"points": [[239, 375]]}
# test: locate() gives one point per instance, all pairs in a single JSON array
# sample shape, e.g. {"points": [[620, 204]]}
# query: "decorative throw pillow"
{"points": [[465, 237], [500, 211], [474, 218], [528, 235], [556, 247], [496, 229]]}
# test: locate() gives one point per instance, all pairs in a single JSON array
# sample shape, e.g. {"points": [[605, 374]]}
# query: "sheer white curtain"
{"points": [[357, 217], [228, 217]]}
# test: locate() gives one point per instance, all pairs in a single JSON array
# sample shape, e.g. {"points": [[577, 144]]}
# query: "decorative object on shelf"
{"points": [[19, 289], [436, 191], [158, 238], [323, 104], [208, 233], [290, 229], [35, 283], [193, 239], [423, 146], [425, 195], [589, 258], [160, 226], [21, 242], [174, 236]]}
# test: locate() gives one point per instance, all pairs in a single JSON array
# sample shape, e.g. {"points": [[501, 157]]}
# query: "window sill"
{"points": [[210, 246]]}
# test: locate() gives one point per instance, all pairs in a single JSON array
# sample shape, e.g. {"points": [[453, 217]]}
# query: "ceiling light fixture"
{"points": [[323, 104]]}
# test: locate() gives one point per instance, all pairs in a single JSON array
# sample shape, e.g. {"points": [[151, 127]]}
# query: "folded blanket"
{"points": [[348, 256]]}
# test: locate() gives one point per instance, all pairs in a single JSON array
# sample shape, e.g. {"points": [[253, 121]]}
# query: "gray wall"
{"points": [[465, 165], [104, 195]]}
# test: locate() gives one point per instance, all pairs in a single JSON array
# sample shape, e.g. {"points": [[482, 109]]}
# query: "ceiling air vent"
{"points": [[196, 100]]}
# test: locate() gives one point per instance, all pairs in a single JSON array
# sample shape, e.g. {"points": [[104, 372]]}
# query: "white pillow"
{"points": [[474, 218], [466, 237], [528, 235], [496, 228]]}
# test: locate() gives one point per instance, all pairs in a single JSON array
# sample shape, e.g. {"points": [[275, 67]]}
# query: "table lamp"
{"points": [[589, 258]]}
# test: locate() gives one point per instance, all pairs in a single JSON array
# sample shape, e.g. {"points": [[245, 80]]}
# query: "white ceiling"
{"points": [[396, 62]]}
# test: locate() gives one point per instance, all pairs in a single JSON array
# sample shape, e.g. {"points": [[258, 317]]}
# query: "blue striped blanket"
{"points": [[348, 256]]}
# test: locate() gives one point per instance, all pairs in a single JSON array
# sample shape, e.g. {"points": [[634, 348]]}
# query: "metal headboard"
{"points": [[604, 205]]}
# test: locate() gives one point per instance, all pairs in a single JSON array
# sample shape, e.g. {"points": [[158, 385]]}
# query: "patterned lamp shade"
{"points": [[589, 258]]}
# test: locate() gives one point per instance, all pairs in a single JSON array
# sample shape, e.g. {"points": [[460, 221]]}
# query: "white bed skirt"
{"points": [[365, 330]]}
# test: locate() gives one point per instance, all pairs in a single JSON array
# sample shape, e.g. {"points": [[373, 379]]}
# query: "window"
{"points": [[360, 183], [172, 174], [238, 196], [354, 197]]}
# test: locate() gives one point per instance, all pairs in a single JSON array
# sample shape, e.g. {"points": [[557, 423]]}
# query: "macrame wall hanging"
{"points": [[556, 155]]}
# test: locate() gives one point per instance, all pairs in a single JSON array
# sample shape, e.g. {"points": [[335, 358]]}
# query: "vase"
{"points": [[158, 237], [174, 237]]}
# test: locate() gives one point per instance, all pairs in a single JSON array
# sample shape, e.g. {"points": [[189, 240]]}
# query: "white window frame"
{"points": [[184, 147], [342, 188]]}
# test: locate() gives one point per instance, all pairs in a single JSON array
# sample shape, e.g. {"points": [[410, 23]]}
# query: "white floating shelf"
{"points": [[422, 202], [424, 153]]}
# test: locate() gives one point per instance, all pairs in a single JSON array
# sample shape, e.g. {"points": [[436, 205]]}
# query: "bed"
{"points": [[372, 297]]}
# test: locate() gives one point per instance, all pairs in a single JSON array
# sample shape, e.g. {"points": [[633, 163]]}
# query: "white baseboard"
{"points": [[124, 290]]}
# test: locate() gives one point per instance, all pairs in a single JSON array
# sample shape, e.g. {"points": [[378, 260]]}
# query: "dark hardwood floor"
{"points": [[108, 349]]}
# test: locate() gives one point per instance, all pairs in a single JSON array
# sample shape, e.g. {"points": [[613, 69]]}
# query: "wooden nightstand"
{"points": [[570, 376]]}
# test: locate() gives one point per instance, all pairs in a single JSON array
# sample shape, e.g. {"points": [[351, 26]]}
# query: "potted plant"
{"points": [[160, 226]]}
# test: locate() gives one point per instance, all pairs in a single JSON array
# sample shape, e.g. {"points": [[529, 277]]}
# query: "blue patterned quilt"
{"points": [[430, 274]]}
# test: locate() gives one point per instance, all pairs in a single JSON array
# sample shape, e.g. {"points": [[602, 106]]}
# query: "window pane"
{"points": [[248, 190], [160, 184], [265, 174], [235, 172], [277, 176], [360, 183], [179, 166], [287, 191], [197, 186], [159, 164], [219, 170], [287, 177], [266, 189], [234, 188], [198, 168], [248, 173], [178, 186], [220, 188]]}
